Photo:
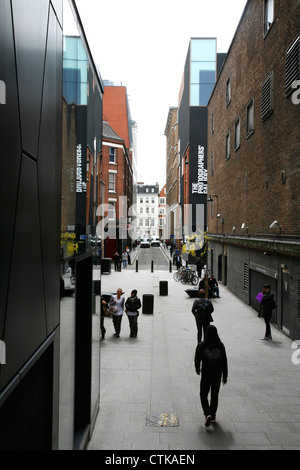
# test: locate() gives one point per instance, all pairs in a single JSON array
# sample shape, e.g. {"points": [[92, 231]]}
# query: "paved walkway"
{"points": [[259, 407]]}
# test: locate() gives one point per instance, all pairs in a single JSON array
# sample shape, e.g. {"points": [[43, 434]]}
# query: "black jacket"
{"points": [[202, 309], [133, 304], [213, 359]]}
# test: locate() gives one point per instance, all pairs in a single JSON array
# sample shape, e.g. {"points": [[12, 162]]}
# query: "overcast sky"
{"points": [[143, 46]]}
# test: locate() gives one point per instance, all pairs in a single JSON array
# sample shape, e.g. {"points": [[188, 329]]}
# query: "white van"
{"points": [[155, 241]]}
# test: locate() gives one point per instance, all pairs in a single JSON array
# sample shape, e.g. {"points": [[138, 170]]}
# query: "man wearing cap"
{"points": [[202, 310]]}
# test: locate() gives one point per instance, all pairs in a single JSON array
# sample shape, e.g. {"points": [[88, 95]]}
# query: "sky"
{"points": [[143, 45]]}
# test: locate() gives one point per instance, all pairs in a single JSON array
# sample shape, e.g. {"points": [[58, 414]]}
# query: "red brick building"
{"points": [[254, 161], [116, 192]]}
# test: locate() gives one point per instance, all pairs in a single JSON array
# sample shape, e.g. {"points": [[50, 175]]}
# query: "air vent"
{"points": [[267, 97], [292, 65], [246, 277]]}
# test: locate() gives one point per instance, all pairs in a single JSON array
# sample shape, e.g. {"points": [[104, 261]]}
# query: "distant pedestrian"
{"points": [[116, 260], [211, 360], [199, 267], [178, 261], [116, 308], [125, 259], [132, 306], [202, 310], [267, 304]]}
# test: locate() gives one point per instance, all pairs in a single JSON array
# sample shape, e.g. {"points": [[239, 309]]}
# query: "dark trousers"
{"points": [[133, 325], [117, 320], [212, 385], [102, 327], [268, 328], [201, 326]]}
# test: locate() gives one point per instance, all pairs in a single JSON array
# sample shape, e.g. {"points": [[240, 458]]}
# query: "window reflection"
{"points": [[80, 196]]}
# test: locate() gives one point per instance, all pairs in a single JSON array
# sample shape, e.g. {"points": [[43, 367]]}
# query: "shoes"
{"points": [[265, 338], [208, 421], [213, 420], [117, 336]]}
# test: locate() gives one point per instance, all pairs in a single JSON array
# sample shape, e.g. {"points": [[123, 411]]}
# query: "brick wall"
{"points": [[249, 183]]}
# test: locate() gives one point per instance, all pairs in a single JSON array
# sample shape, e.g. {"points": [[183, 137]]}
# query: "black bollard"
{"points": [[152, 266], [137, 265], [170, 268]]}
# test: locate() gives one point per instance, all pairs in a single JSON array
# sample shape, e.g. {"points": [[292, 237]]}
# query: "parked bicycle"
{"points": [[186, 276]]}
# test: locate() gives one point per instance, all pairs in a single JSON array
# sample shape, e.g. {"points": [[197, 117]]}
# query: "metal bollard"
{"points": [[152, 266], [137, 265], [170, 268]]}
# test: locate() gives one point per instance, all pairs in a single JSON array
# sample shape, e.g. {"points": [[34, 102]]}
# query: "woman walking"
{"points": [[211, 353], [116, 308]]}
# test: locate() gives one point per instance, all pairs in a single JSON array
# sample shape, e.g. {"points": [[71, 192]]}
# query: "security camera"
{"points": [[273, 224], [218, 215]]}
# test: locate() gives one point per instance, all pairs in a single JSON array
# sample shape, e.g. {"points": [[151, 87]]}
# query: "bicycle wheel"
{"points": [[195, 280], [176, 277]]}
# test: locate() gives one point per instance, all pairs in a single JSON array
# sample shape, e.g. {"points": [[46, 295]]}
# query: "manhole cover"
{"points": [[161, 419]]}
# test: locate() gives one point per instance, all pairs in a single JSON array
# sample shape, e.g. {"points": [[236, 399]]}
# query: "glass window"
{"points": [[112, 182], [147, 200], [203, 70], [228, 145], [112, 211], [237, 134], [203, 49], [250, 117], [228, 92], [112, 155], [141, 200], [269, 15]]}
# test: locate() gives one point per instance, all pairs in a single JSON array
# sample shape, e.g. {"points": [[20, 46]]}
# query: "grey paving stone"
{"points": [[259, 407]]}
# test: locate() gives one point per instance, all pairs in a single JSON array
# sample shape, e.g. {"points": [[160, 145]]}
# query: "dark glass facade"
{"points": [[50, 133]]}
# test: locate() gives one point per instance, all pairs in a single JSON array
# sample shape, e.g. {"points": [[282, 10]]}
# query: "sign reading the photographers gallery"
{"points": [[201, 186]]}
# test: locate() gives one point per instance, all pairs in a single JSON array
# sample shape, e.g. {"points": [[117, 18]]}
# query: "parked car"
{"points": [[155, 242], [145, 243]]}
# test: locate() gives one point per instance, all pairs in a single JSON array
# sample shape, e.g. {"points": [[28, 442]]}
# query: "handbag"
{"points": [[105, 310], [113, 309]]}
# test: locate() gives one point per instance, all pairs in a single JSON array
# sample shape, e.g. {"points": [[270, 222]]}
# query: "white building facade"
{"points": [[147, 211]]}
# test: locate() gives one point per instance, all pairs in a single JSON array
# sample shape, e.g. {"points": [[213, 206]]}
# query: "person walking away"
{"points": [[199, 267], [116, 260], [267, 304], [211, 359], [202, 309], [132, 306], [116, 308], [213, 286]]}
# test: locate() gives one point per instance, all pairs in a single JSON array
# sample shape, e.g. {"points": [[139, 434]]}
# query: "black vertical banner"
{"points": [[81, 157]]}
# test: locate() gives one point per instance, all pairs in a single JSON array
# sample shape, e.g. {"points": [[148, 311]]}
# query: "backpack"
{"points": [[203, 310]]}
